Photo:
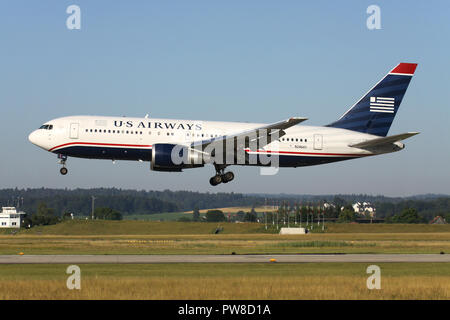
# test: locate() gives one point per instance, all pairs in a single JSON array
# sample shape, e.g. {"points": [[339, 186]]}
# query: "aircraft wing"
{"points": [[383, 141], [242, 140]]}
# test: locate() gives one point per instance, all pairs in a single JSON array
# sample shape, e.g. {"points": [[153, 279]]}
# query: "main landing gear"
{"points": [[221, 176], [62, 160]]}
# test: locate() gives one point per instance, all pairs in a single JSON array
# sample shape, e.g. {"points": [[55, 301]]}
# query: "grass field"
{"points": [[224, 281], [140, 237], [132, 227], [227, 281], [169, 216]]}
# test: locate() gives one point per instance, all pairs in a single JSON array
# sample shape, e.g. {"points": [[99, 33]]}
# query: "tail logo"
{"points": [[382, 104]]}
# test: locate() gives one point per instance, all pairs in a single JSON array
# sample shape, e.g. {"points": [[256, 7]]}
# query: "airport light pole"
{"points": [[265, 212], [287, 212], [307, 215], [92, 207], [278, 209], [295, 212], [323, 219], [318, 215], [301, 208], [273, 212]]}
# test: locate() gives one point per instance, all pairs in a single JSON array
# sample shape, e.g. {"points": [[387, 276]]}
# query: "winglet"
{"points": [[296, 120]]}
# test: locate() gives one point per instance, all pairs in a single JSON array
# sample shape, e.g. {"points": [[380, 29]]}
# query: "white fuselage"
{"points": [[123, 138]]}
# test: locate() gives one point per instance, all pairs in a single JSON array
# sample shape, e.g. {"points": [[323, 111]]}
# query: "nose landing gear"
{"points": [[62, 160], [221, 176]]}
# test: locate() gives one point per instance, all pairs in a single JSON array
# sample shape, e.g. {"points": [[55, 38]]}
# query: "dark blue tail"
{"points": [[376, 110]]}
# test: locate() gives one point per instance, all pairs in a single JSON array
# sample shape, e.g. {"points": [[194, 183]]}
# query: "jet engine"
{"points": [[174, 157]]}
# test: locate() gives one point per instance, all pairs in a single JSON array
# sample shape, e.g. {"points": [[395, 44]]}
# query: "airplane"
{"points": [[172, 145]]}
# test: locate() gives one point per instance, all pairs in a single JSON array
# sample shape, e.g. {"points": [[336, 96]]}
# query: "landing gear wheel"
{"points": [[221, 176], [227, 177], [62, 161], [214, 181]]}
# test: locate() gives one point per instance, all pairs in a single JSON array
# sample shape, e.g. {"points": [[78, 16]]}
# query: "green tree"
{"points": [[339, 203], [240, 215], [107, 214], [250, 216], [66, 216], [303, 213], [447, 217], [196, 214], [408, 215], [43, 210], [347, 215], [215, 216], [44, 215]]}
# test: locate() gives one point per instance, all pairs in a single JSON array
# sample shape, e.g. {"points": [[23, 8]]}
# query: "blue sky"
{"points": [[257, 61]]}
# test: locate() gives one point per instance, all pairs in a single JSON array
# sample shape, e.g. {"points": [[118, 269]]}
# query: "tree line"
{"points": [[60, 203]]}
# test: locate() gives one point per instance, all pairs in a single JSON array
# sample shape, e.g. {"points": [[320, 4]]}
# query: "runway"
{"points": [[266, 258]]}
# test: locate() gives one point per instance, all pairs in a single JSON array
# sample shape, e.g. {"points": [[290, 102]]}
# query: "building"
{"points": [[327, 205], [10, 218], [364, 209]]}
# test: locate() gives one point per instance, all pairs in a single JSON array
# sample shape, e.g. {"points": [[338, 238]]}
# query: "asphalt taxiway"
{"points": [[280, 258]]}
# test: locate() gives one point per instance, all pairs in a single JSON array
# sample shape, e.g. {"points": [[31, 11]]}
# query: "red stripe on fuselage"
{"points": [[101, 144], [310, 153]]}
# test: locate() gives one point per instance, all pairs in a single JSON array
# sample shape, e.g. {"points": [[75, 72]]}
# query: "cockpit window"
{"points": [[46, 127]]}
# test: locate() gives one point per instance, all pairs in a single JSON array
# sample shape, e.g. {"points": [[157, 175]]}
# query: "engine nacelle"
{"points": [[173, 157]]}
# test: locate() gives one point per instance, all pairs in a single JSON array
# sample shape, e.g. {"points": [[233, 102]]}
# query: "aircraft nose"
{"points": [[33, 137]]}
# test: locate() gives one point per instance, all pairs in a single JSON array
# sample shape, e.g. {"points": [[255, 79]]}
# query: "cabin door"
{"points": [[318, 142], [74, 130]]}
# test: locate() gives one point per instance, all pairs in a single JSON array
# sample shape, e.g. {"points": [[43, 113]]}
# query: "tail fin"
{"points": [[376, 110]]}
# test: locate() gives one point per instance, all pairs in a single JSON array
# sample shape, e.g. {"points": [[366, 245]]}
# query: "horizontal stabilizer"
{"points": [[384, 140]]}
